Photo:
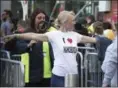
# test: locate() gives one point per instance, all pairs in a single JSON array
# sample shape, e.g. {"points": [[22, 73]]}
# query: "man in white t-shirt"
{"points": [[64, 43]]}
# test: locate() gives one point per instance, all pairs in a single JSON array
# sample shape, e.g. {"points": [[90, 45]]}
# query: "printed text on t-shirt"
{"points": [[70, 49]]}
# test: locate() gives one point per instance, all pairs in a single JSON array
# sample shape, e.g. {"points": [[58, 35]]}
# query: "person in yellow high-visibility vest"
{"points": [[41, 55], [90, 20], [39, 60]]}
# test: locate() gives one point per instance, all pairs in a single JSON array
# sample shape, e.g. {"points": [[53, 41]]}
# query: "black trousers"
{"points": [[42, 83]]}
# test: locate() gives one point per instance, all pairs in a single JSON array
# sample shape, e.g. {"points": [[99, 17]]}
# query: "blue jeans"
{"points": [[57, 81]]}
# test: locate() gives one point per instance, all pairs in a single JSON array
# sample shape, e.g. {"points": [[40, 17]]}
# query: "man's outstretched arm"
{"points": [[27, 36]]}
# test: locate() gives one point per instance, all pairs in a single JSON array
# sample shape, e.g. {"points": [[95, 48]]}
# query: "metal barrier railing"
{"points": [[86, 48], [16, 57], [12, 73], [4, 54], [93, 72], [89, 77]]}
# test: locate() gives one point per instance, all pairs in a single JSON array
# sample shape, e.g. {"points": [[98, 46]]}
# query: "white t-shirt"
{"points": [[65, 48]]}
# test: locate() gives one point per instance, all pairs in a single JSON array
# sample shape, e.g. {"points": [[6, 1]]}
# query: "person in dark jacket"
{"points": [[103, 42], [37, 76]]}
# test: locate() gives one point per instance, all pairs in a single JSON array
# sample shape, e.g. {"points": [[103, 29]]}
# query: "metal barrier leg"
{"points": [[82, 69], [86, 71], [7, 71], [71, 80]]}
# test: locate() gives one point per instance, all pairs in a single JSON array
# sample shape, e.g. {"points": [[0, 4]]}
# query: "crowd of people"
{"points": [[52, 47]]}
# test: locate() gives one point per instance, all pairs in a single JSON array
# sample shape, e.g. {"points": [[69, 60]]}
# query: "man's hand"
{"points": [[8, 38], [31, 43]]}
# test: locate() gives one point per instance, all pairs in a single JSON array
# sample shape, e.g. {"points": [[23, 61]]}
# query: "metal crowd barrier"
{"points": [[12, 73], [4, 54], [86, 48], [90, 72], [93, 72]]}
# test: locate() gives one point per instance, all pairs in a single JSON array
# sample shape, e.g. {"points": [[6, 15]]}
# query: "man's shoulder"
{"points": [[104, 39]]}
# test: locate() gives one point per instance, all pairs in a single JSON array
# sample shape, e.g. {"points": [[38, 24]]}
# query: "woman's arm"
{"points": [[27, 36], [86, 39]]}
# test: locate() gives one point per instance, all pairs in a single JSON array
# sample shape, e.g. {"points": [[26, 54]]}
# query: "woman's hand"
{"points": [[9, 37]]}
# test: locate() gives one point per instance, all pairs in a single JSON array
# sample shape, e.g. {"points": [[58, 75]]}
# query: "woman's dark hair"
{"points": [[92, 18], [107, 25], [33, 16]]}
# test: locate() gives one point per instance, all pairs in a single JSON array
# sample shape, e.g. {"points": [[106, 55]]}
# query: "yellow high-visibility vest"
{"points": [[25, 61], [52, 29], [91, 29], [47, 60], [46, 64]]}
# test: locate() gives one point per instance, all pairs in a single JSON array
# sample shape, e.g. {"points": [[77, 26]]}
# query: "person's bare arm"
{"points": [[86, 39], [28, 36]]}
